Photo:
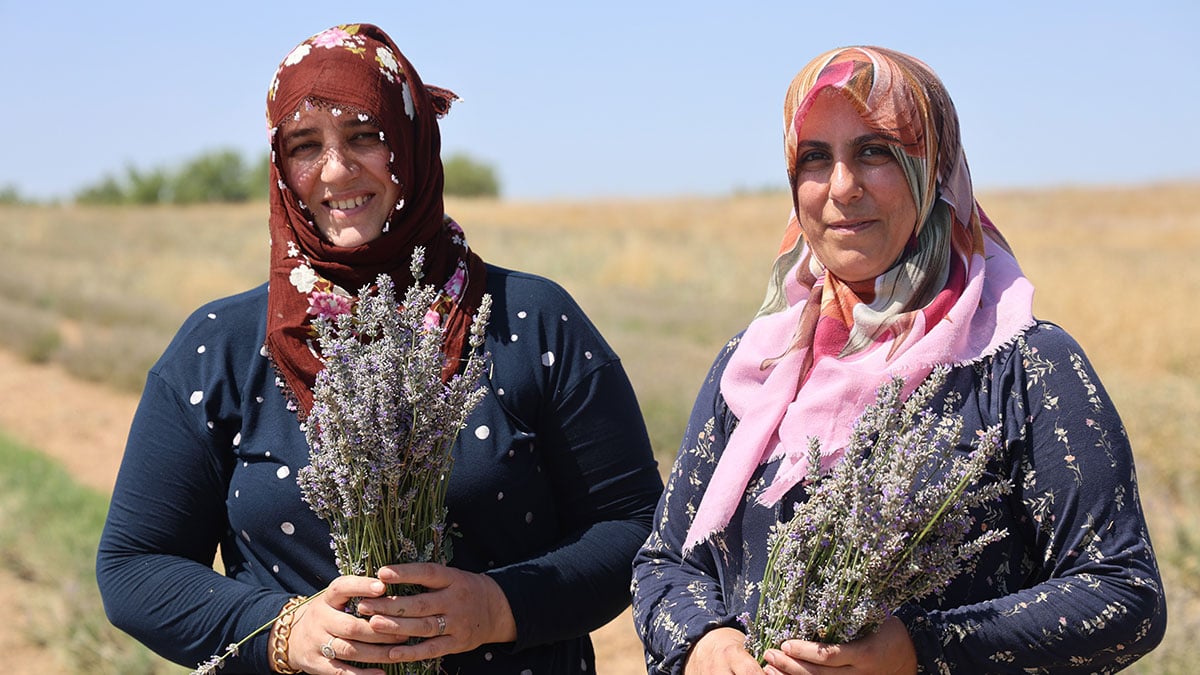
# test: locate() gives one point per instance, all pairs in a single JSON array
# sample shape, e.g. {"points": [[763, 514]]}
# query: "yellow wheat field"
{"points": [[101, 290]]}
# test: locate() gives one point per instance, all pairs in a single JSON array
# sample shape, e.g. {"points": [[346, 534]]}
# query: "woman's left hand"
{"points": [[458, 612], [888, 651]]}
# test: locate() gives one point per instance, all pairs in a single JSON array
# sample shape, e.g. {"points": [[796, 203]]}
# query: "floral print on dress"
{"points": [[1074, 589]]}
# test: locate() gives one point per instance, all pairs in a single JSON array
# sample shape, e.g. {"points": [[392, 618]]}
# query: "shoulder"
{"points": [[1042, 349], [531, 311], [531, 292], [231, 327], [234, 313], [1050, 339]]}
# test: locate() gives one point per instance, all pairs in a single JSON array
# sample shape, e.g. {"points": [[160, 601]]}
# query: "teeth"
{"points": [[348, 204]]}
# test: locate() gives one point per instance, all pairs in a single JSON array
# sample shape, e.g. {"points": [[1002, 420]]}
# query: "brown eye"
{"points": [[301, 149]]}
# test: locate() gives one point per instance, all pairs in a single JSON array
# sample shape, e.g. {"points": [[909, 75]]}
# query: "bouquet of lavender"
{"points": [[381, 430], [380, 433], [886, 525]]}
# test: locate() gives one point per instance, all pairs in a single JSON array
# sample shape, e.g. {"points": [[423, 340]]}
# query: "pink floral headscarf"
{"points": [[812, 359]]}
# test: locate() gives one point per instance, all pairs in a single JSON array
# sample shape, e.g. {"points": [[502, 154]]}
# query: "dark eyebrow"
{"points": [[856, 141], [297, 133], [354, 122]]}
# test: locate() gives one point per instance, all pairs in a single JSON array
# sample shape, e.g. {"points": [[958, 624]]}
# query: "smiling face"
{"points": [[852, 198], [339, 166]]}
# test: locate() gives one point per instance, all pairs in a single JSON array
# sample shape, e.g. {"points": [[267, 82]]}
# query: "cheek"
{"points": [[300, 178], [810, 200]]}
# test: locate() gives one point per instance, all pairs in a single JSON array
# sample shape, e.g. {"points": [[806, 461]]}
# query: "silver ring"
{"points": [[327, 649], [441, 620]]}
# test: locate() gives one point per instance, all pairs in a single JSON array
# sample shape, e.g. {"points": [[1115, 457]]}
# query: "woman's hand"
{"points": [[888, 651], [721, 651], [459, 612], [325, 638]]}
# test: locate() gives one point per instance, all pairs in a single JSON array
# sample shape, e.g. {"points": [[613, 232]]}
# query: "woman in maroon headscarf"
{"points": [[554, 482]]}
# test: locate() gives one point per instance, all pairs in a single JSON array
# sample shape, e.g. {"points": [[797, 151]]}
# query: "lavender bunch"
{"points": [[886, 525], [382, 427]]}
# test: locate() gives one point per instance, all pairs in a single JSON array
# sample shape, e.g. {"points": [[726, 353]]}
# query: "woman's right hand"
{"points": [[722, 651], [353, 639]]}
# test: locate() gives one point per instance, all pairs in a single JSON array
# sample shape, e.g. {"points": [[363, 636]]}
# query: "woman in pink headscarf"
{"points": [[889, 268]]}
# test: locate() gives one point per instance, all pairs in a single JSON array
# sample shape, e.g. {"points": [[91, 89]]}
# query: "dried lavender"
{"points": [[381, 430], [886, 525]]}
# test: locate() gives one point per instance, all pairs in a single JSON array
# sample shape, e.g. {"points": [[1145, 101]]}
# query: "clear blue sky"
{"points": [[595, 99]]}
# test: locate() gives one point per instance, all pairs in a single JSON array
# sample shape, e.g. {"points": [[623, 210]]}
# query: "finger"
{"points": [[429, 575], [403, 606], [340, 652], [814, 652], [420, 651], [343, 588], [432, 626], [779, 663]]}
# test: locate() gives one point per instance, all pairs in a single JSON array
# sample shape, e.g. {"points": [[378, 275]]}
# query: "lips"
{"points": [[850, 224], [347, 204]]}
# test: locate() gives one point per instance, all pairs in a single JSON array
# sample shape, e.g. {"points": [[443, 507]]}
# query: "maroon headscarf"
{"points": [[357, 69]]}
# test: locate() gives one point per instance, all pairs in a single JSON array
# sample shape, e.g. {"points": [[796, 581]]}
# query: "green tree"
{"points": [[258, 178], [150, 187], [466, 177], [10, 195], [108, 191], [219, 176]]}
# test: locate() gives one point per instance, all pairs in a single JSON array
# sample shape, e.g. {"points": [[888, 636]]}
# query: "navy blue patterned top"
{"points": [[553, 488], [1073, 588]]}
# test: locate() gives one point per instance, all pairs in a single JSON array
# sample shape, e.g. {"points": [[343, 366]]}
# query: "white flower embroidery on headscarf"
{"points": [[387, 61], [303, 278], [297, 54], [408, 101]]}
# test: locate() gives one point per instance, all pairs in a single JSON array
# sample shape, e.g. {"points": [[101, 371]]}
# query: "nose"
{"points": [[844, 184], [337, 166]]}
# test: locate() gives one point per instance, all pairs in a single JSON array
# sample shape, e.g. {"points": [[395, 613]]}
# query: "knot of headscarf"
{"points": [[812, 359], [357, 68]]}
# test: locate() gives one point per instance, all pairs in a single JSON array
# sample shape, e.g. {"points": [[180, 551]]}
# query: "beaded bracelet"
{"points": [[279, 637]]}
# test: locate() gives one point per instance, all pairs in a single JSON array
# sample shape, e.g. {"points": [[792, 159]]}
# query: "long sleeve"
{"points": [[552, 490], [605, 486], [1093, 599], [1073, 588], [678, 598], [571, 495], [166, 517]]}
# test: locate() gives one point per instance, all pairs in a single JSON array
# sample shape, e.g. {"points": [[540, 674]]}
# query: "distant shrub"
{"points": [[219, 176], [9, 194], [107, 191], [466, 177]]}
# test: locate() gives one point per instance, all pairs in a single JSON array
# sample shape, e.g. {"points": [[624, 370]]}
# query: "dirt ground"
{"points": [[83, 426]]}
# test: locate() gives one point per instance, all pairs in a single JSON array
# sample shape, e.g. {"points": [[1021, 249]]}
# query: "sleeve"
{"points": [[165, 520], [677, 598], [1093, 601], [605, 483]]}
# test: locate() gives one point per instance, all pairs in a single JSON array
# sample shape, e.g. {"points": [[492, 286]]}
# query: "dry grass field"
{"points": [[97, 292]]}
